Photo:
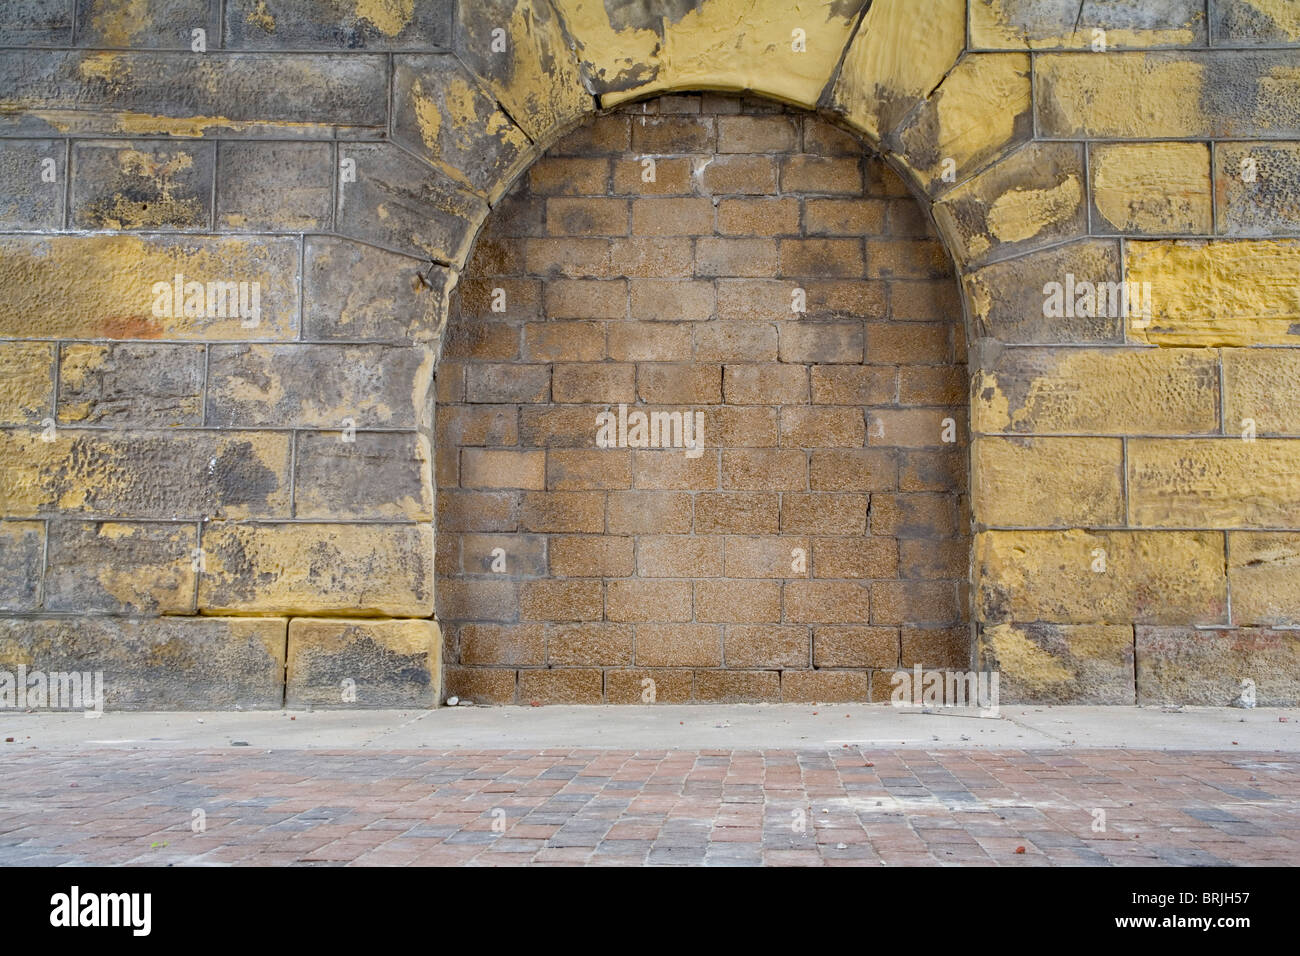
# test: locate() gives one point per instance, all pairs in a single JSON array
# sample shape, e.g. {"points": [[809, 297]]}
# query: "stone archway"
{"points": [[753, 270]]}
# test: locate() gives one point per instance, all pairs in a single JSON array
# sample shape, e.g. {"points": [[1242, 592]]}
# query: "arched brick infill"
{"points": [[751, 269], [223, 506]]}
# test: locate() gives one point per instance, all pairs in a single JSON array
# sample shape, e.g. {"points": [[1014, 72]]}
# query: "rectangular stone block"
{"points": [[678, 645], [131, 384], [26, 382], [1048, 482], [1252, 23], [170, 663], [334, 662], [814, 686], [1078, 577], [1257, 188], [121, 568], [181, 94], [594, 644], [560, 601], [126, 288], [378, 569], [274, 187], [677, 556], [826, 602], [37, 23], [337, 25], [1060, 25], [1059, 663], [561, 685], [376, 475], [766, 645], [1009, 303], [22, 550], [855, 645], [1211, 668], [1205, 292], [737, 686], [1151, 189], [32, 177], [649, 512], [1098, 391], [1213, 483], [644, 686], [155, 185], [321, 386], [1183, 95], [524, 555], [357, 293], [737, 602], [399, 203], [1264, 574], [145, 474]]}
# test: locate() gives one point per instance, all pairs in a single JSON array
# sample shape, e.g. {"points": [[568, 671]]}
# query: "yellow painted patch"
{"points": [[389, 17], [120, 22], [1214, 483], [261, 18], [1023, 213], [26, 382], [1121, 94], [1153, 188], [112, 296], [1021, 657], [1203, 292]]}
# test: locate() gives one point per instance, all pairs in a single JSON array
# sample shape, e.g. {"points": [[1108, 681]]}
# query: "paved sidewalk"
{"points": [[391, 790]]}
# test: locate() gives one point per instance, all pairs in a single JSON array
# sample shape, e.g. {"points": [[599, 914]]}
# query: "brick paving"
{"points": [[845, 807]]}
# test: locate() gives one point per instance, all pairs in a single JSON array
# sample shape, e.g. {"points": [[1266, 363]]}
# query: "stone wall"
{"points": [[223, 506]]}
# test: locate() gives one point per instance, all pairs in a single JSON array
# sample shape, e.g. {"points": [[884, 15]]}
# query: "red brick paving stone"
{"points": [[911, 808]]}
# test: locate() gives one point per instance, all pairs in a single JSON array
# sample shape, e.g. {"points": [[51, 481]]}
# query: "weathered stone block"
{"points": [[1151, 189], [1009, 303], [374, 475], [357, 293], [22, 549], [1101, 391], [124, 287], [399, 203], [121, 568], [1213, 483], [168, 663], [536, 76], [1064, 25], [131, 384], [36, 23], [1257, 188], [1182, 665], [1182, 95], [1251, 22], [811, 686], [441, 114], [142, 184], [32, 177], [1048, 482], [980, 111], [899, 54], [145, 474], [1264, 573], [1033, 198], [1060, 663], [274, 187], [628, 50], [379, 569], [355, 663], [26, 382], [1203, 292], [161, 23], [337, 24], [183, 94], [322, 386], [1078, 577], [1261, 388]]}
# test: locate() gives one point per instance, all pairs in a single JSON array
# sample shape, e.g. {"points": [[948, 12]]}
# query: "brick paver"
{"points": [[843, 807]]}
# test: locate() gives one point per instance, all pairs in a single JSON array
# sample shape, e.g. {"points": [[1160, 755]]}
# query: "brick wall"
{"points": [[655, 258]]}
